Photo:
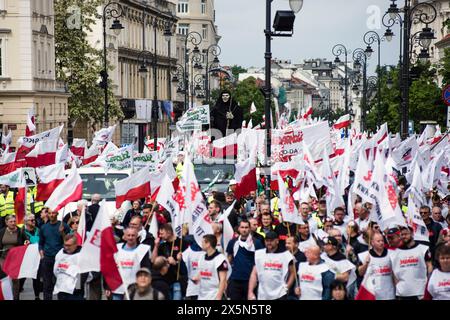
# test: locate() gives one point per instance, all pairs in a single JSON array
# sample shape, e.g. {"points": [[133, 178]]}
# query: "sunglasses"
{"points": [[74, 223]]}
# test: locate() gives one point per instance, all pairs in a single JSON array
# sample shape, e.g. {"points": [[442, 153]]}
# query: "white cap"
{"points": [[232, 182]]}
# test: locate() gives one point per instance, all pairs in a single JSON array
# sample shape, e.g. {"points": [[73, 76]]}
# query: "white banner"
{"points": [[142, 160], [194, 118], [30, 142]]}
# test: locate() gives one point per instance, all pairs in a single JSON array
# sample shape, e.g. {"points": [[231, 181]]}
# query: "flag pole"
{"points": [[151, 214], [179, 264]]}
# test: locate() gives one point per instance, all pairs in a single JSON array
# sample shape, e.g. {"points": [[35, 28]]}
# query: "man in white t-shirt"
{"points": [[273, 271], [212, 271], [411, 263]]}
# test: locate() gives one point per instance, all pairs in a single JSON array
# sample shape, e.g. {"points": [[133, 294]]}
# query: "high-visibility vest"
{"points": [[7, 204], [275, 207], [316, 217], [33, 207], [179, 170], [260, 231]]}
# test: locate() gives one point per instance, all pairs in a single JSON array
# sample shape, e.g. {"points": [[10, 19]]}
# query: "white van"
{"points": [[96, 181]]}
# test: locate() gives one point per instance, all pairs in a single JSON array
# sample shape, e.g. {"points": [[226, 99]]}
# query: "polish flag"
{"points": [[308, 113], [157, 177], [49, 178], [134, 187], [225, 147], [8, 163], [245, 177], [6, 289], [91, 154], [6, 140], [70, 190], [43, 154], [342, 122], [16, 180], [22, 262], [104, 135], [31, 128], [289, 211], [97, 253], [367, 289], [78, 147]]}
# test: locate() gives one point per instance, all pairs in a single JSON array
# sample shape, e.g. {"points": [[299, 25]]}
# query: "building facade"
{"points": [[27, 68], [196, 16]]}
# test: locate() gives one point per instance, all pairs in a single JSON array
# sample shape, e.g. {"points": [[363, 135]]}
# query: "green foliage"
{"points": [[247, 92], [236, 70], [331, 116], [78, 63]]}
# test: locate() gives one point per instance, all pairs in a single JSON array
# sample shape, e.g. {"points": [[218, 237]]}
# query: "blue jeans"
{"points": [[117, 296], [175, 291]]}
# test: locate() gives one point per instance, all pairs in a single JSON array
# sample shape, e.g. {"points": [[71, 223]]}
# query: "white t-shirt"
{"points": [[273, 271], [310, 280], [67, 272], [209, 276], [410, 269], [130, 263], [439, 285], [191, 259], [381, 270], [304, 245]]}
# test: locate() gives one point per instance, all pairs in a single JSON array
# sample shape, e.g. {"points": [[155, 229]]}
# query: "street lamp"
{"points": [[111, 10], [215, 51], [424, 13], [359, 55], [195, 39], [337, 51], [283, 27], [369, 38]]}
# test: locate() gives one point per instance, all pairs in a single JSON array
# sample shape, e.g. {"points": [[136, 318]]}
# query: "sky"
{"points": [[319, 26]]}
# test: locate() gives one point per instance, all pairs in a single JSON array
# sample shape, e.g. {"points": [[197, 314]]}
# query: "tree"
{"points": [[236, 70], [78, 63], [246, 92]]}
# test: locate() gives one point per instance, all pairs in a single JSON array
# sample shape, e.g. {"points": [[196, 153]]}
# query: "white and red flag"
{"points": [[78, 147], [308, 113], [245, 177], [225, 147], [43, 154], [6, 139], [26, 144], [70, 190], [22, 262], [134, 187], [8, 163], [6, 289], [50, 177], [367, 289], [157, 177], [97, 253], [342, 122], [31, 127], [289, 210], [173, 201], [91, 154], [104, 135]]}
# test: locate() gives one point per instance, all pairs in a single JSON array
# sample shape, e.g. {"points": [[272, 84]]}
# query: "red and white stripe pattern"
{"points": [[245, 177], [134, 187], [6, 140], [78, 147], [99, 248], [308, 113], [44, 154], [22, 262], [8, 163], [50, 177], [70, 190], [342, 122], [225, 147], [367, 289], [91, 154]]}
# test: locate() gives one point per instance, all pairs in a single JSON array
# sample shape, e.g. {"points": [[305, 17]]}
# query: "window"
{"points": [[183, 28], [204, 31], [203, 6], [183, 6]]}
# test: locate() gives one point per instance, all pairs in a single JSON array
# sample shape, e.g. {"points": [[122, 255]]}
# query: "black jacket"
{"points": [[21, 237], [160, 284]]}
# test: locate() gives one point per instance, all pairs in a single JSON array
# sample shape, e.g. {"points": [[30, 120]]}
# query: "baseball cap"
{"points": [[271, 235], [393, 231], [232, 182], [144, 270], [331, 240]]}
